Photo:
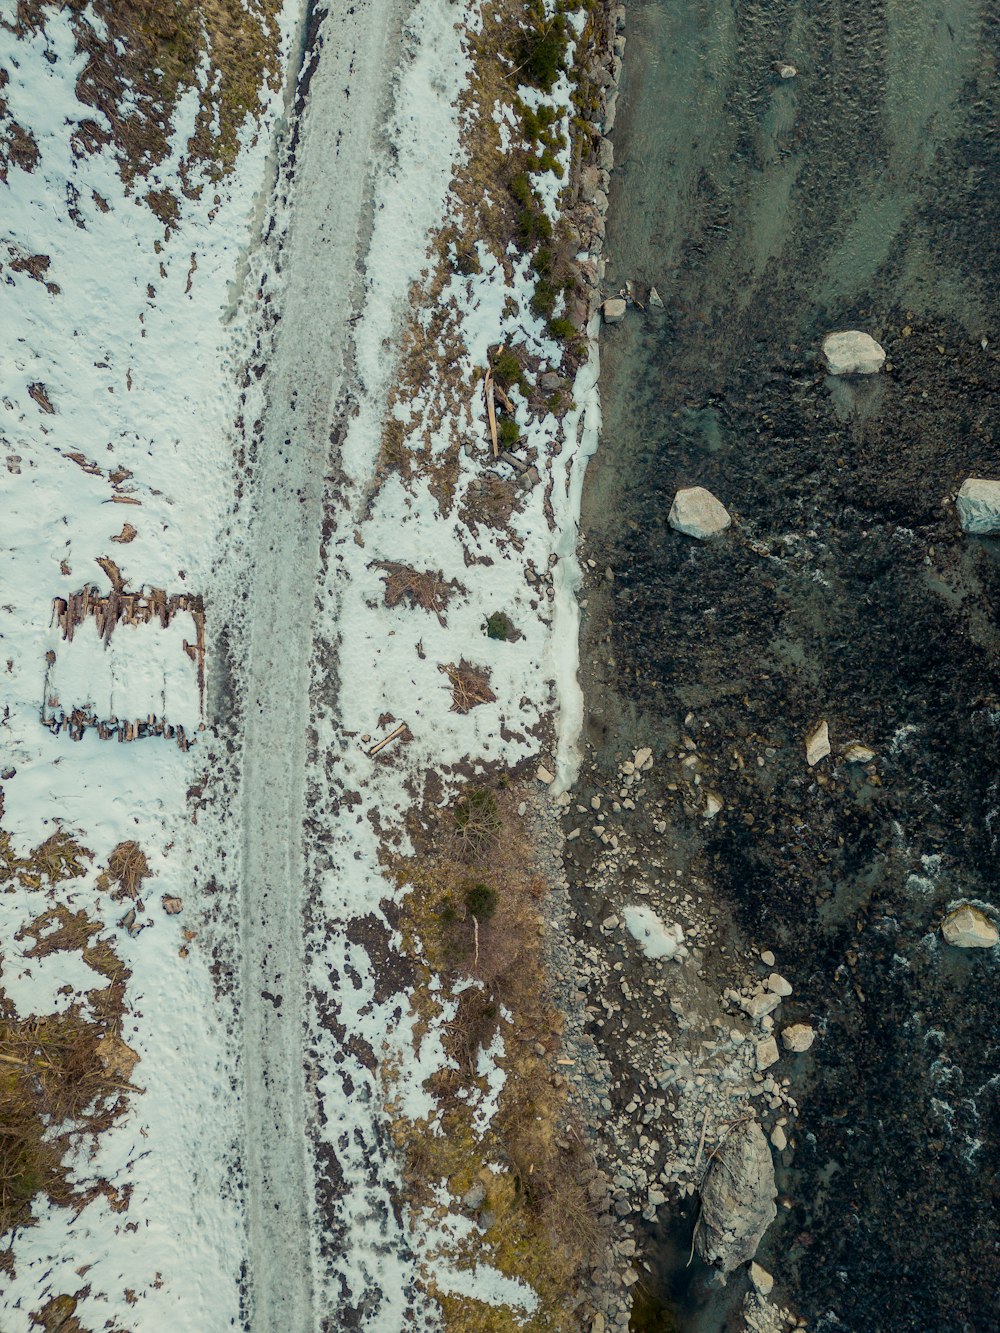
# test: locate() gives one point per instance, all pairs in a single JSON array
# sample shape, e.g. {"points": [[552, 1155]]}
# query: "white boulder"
{"points": [[761, 1279], [969, 928], [614, 310], [797, 1037], [978, 506], [852, 353], [654, 938], [697, 513], [767, 1054]]}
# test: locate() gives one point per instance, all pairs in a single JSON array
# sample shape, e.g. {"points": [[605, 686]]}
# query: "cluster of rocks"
{"points": [[586, 218], [692, 1057]]}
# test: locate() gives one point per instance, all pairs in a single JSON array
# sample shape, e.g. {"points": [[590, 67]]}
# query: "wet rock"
{"points": [[767, 958], [761, 1279], [852, 353], [969, 928], [978, 506], [817, 744], [697, 513], [737, 1199], [856, 753], [779, 1139], [767, 1053], [613, 310], [778, 985], [797, 1037]]}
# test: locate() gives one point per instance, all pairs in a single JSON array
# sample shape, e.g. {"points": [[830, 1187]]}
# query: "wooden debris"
{"points": [[470, 685], [426, 588], [393, 735], [491, 411], [130, 608]]}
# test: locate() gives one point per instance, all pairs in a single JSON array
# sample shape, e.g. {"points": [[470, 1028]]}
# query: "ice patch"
{"points": [[655, 939]]}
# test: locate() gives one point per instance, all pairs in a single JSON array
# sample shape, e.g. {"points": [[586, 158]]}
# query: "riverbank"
{"points": [[844, 592]]}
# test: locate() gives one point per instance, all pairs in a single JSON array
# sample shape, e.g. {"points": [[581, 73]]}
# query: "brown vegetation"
{"points": [[541, 1225], [470, 685], [424, 588], [142, 57], [127, 868]]}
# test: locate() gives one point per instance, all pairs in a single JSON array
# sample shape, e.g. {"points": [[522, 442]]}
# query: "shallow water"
{"points": [[863, 193]]}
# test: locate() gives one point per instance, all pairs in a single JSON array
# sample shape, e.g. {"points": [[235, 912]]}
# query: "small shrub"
{"points": [[477, 821], [508, 433], [507, 369], [542, 51], [561, 327], [543, 300], [481, 901], [500, 626]]}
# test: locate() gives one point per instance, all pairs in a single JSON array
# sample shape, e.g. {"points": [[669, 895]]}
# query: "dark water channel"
{"points": [[864, 193]]}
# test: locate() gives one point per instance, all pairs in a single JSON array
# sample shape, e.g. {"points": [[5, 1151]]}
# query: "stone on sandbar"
{"points": [[852, 353], [697, 513], [978, 506]]}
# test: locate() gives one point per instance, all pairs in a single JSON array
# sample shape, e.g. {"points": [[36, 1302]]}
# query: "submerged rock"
{"points": [[737, 1199], [817, 744], [969, 928], [797, 1037], [852, 353], [978, 506], [697, 513]]}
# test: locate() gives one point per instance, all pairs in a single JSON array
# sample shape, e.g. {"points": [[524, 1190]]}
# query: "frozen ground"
{"points": [[260, 1145]]}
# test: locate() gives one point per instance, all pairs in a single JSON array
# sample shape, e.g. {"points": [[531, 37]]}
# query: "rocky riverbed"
{"points": [[844, 593]]}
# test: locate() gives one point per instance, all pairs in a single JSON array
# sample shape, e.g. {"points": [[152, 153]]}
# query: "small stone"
{"points": [[474, 1197], [817, 744], [551, 381], [852, 353], [856, 753], [613, 310], [760, 1004], [969, 928], [797, 1037], [713, 804], [171, 905], [642, 757], [778, 985], [767, 1053], [609, 923], [761, 1279], [778, 1138], [543, 775], [697, 513], [767, 957], [978, 506], [787, 71], [655, 299]]}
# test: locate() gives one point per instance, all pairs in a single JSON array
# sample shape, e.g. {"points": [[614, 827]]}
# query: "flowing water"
{"points": [[862, 193]]}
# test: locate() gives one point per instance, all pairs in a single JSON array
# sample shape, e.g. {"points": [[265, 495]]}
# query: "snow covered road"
{"points": [[322, 249]]}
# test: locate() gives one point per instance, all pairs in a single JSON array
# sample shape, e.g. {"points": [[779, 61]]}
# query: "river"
{"points": [[864, 192]]}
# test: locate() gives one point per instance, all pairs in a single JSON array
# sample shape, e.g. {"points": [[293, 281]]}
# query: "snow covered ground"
{"points": [[119, 386], [259, 1144]]}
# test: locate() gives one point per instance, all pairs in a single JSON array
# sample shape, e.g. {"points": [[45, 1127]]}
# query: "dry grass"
{"points": [[127, 868], [424, 588], [142, 56], [544, 1229], [58, 858], [64, 1077], [470, 685]]}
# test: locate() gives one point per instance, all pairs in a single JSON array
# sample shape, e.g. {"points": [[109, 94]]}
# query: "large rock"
{"points": [[978, 506], [697, 513], [852, 353], [737, 1199], [613, 310], [969, 928], [797, 1037]]}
